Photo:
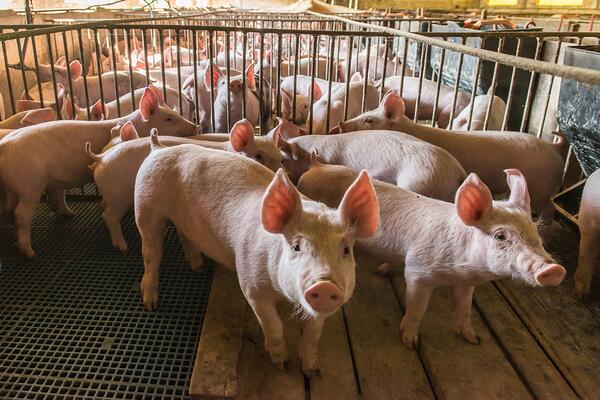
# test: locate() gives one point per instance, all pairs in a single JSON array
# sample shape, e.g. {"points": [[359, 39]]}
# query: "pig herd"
{"points": [[286, 210]]}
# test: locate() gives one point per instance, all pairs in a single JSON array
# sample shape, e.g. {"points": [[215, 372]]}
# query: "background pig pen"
{"points": [[82, 43]]}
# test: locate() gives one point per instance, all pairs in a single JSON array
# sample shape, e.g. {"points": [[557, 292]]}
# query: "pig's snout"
{"points": [[552, 275], [324, 296], [236, 86]]}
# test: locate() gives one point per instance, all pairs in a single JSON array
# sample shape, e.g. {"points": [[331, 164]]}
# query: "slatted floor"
{"points": [[72, 326], [536, 343]]}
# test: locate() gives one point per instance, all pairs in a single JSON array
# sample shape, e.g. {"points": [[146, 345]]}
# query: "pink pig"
{"points": [[283, 246]]}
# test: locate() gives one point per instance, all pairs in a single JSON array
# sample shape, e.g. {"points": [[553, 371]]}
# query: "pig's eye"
{"points": [[296, 246], [259, 158], [346, 250], [368, 120], [169, 119], [500, 236]]}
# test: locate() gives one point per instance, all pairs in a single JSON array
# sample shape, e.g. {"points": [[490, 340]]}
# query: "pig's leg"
{"points": [[192, 253], [56, 197], [417, 299], [589, 257], [272, 327], [9, 202], [24, 211], [112, 214], [309, 346], [463, 298], [152, 231]]}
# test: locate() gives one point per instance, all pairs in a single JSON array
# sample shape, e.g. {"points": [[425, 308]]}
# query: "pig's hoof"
{"points": [[581, 289], [26, 250], [68, 213], [197, 263], [312, 373], [384, 269], [121, 245], [281, 365], [149, 294], [410, 336], [469, 335]]}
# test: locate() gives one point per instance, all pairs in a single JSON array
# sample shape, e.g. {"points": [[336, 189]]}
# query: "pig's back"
{"points": [[207, 193]]}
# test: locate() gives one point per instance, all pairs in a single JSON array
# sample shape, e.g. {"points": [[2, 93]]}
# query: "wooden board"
{"points": [[337, 380], [566, 329], [457, 369], [386, 368], [528, 358], [215, 368], [258, 378]]}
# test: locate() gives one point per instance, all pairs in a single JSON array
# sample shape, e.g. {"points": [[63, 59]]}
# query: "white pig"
{"points": [[589, 228], [480, 106], [396, 158], [49, 157], [282, 245], [27, 118], [115, 169], [487, 153], [461, 245]]}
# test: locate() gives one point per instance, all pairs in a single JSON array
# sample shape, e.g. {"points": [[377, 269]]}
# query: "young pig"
{"points": [[396, 158], [480, 106], [283, 246], [49, 157], [115, 169], [461, 245], [27, 118], [589, 228], [486, 153]]}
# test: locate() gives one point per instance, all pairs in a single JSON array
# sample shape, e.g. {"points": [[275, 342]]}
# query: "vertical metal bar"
{"points": [[547, 102], [22, 62], [69, 78], [297, 50], [97, 47], [474, 90], [349, 53], [178, 41], [244, 48], [330, 82], [312, 82], [438, 88], [384, 72], [83, 75], [511, 87], [278, 91], [212, 88], [162, 61], [37, 71], [195, 50], [528, 100], [228, 73], [421, 75], [461, 58], [366, 77], [51, 61], [116, 76], [493, 86], [130, 67], [260, 78], [403, 70]]}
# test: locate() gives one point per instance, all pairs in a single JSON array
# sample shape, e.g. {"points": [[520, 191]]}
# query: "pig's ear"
{"points": [[34, 117], [360, 206], [128, 132], [356, 77], [99, 111], [158, 93], [214, 77], [241, 135], [473, 201], [76, 69], [519, 195], [317, 92], [280, 202], [24, 105], [250, 82], [61, 62], [392, 105], [148, 104], [26, 96]]}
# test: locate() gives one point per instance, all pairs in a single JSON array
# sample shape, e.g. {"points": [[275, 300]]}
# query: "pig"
{"points": [[589, 228], [376, 64], [219, 82], [93, 82], [126, 105], [116, 168], [338, 97], [480, 106], [461, 245], [282, 245], [171, 78], [396, 158], [302, 104], [50, 157], [27, 118], [305, 65], [486, 153], [410, 91]]}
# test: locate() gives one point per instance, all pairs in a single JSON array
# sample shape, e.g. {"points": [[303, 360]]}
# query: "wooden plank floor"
{"points": [[536, 343]]}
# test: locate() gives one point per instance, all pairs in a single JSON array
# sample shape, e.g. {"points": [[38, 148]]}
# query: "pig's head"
{"points": [[302, 104], [219, 81], [296, 160], [317, 268], [387, 116], [60, 72], [261, 149], [505, 237], [121, 132], [153, 114]]}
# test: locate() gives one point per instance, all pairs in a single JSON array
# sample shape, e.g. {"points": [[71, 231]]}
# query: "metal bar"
{"points": [[8, 79], [99, 70], [212, 88], [438, 88], [130, 68], [315, 39], [37, 71], [195, 50], [492, 90], [178, 41], [228, 73], [511, 88], [84, 77], [51, 61], [424, 53], [528, 100], [366, 77], [330, 82], [348, 60], [116, 76]]}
